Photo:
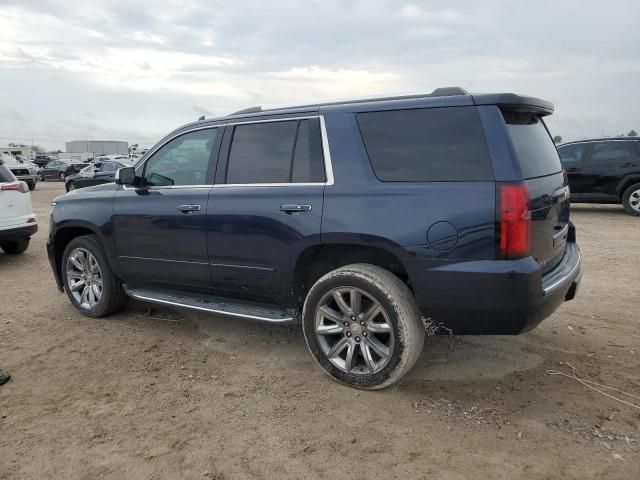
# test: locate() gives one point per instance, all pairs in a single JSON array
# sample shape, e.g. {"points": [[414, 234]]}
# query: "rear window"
{"points": [[426, 145], [5, 174], [534, 147]]}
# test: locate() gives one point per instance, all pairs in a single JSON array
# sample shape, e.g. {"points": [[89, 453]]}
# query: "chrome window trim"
{"points": [[326, 152]]}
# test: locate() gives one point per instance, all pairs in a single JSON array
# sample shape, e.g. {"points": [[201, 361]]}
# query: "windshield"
{"points": [[534, 147]]}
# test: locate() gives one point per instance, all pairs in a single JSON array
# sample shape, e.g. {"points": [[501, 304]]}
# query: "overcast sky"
{"points": [[135, 69]]}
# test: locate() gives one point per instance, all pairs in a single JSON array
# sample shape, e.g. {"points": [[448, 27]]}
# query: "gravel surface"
{"points": [[160, 393]]}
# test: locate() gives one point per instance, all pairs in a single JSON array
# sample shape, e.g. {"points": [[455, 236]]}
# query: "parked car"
{"points": [[41, 160], [100, 171], [605, 170], [22, 169], [17, 221], [59, 169], [355, 218]]}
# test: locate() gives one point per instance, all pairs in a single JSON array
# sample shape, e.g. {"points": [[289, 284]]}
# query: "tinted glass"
{"points": [[572, 153], [109, 167], [182, 161], [608, 151], [435, 144], [5, 174], [534, 147], [262, 153], [308, 162]]}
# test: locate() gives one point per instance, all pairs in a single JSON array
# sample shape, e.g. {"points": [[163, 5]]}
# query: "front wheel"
{"points": [[71, 186], [32, 185], [61, 176], [362, 325], [631, 200], [15, 247], [88, 280]]}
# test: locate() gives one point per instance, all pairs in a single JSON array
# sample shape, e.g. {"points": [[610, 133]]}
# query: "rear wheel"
{"points": [[71, 186], [631, 200], [32, 185], [362, 325], [15, 247], [88, 280]]}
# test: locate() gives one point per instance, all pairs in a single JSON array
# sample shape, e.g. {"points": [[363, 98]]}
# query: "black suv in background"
{"points": [[605, 170], [356, 218]]}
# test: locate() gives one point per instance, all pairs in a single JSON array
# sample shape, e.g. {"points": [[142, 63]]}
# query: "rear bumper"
{"points": [[27, 178], [494, 296], [17, 232]]}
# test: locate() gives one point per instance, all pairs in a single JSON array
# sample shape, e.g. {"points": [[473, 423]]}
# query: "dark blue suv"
{"points": [[361, 219]]}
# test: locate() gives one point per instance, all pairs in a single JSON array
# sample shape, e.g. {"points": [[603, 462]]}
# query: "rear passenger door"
{"points": [[265, 207], [607, 163]]}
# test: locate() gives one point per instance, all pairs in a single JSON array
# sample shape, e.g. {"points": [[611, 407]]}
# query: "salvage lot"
{"points": [[160, 393]]}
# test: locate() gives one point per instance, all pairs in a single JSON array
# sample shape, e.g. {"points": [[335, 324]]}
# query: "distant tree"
{"points": [[632, 133], [36, 149], [557, 139]]}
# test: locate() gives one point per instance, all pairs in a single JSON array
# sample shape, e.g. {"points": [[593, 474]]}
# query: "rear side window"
{"points": [[426, 145], [276, 152], [534, 147], [5, 174], [572, 153], [609, 151]]}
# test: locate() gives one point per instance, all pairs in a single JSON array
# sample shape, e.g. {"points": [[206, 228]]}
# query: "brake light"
{"points": [[515, 221], [17, 186]]}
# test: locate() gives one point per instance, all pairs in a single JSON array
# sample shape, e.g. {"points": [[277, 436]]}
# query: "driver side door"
{"points": [[160, 226]]}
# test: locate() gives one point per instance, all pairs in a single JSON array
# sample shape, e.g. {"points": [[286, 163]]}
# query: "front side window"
{"points": [[608, 151], [182, 161], [571, 153], [426, 145], [276, 152]]}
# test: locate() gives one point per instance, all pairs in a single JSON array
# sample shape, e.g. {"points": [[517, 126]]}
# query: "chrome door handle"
{"points": [[188, 208], [295, 208]]}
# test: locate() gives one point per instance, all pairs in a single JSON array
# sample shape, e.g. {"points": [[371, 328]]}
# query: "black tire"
{"points": [[70, 186], [403, 314], [15, 247], [62, 176], [113, 296], [32, 185], [41, 177], [628, 201]]}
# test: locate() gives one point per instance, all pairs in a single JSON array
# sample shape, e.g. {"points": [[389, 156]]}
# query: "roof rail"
{"points": [[247, 110]]}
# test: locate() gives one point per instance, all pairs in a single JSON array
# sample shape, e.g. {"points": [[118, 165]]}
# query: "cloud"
{"points": [[143, 67]]}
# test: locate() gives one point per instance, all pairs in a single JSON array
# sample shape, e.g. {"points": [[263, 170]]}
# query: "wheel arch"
{"points": [[317, 260], [65, 234], [626, 182]]}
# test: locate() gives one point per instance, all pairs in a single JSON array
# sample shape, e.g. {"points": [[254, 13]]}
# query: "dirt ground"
{"points": [[159, 393]]}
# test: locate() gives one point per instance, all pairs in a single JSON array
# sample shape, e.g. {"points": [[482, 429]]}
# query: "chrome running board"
{"points": [[211, 304]]}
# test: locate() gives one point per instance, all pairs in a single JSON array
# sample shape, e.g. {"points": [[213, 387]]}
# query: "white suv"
{"points": [[17, 221]]}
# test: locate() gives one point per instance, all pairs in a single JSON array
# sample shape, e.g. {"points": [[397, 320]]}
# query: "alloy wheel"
{"points": [[634, 200], [354, 331], [84, 278]]}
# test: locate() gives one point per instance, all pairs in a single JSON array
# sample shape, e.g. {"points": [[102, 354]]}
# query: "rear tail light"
{"points": [[514, 221], [17, 186]]}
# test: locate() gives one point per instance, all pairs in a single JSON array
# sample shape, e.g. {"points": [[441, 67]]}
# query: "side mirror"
{"points": [[126, 176]]}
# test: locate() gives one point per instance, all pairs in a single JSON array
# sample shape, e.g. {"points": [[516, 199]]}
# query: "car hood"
{"points": [[88, 191]]}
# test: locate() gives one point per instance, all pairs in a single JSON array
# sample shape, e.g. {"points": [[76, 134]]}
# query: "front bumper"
{"points": [[494, 296]]}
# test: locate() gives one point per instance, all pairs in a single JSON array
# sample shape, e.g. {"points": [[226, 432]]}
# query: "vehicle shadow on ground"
{"points": [[444, 357], [596, 208]]}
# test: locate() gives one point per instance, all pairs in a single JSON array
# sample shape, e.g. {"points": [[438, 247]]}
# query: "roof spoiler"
{"points": [[518, 103]]}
